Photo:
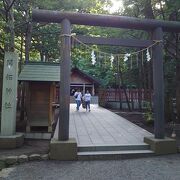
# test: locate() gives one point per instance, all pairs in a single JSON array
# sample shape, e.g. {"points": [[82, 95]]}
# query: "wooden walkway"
{"points": [[103, 127]]}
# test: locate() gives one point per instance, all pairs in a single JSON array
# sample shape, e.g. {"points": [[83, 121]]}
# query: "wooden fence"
{"points": [[131, 96]]}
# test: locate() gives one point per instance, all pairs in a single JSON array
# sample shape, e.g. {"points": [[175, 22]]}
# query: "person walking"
{"points": [[78, 97], [87, 99]]}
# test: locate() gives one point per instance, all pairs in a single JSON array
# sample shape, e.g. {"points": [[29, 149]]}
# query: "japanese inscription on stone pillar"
{"points": [[9, 94]]}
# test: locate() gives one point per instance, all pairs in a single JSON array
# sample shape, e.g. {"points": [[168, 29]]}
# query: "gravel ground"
{"points": [[154, 168]]}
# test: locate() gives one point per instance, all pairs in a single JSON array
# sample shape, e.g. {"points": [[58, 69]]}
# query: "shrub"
{"points": [[148, 115]]}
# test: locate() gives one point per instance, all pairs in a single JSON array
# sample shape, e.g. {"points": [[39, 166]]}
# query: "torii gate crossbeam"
{"points": [[104, 20]]}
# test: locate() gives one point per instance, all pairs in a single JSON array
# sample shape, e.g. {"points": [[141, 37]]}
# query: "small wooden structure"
{"points": [[41, 82], [83, 81]]}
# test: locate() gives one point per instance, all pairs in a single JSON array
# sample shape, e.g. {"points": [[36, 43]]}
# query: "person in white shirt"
{"points": [[87, 99], [78, 97]]}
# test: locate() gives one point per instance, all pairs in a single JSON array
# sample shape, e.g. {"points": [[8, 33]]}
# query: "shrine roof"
{"points": [[48, 72]]}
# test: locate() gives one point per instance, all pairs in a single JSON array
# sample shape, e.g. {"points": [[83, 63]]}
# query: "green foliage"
{"points": [[46, 41], [169, 74], [81, 58], [89, 6], [45, 37], [148, 115]]}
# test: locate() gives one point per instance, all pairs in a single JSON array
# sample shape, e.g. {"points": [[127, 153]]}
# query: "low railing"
{"points": [[135, 97]]}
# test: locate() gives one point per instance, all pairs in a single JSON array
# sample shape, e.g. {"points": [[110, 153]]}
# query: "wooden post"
{"points": [[64, 97], [132, 98], [27, 102], [50, 119], [124, 89], [158, 85], [84, 90], [140, 82], [120, 98], [93, 90]]}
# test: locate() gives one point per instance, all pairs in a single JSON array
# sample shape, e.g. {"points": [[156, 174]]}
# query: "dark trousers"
{"points": [[78, 103], [87, 105]]}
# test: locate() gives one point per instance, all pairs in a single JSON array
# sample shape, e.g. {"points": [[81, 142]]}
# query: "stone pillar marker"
{"points": [[8, 136], [9, 94]]}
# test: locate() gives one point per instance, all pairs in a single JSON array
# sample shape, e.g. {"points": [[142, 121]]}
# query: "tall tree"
{"points": [[166, 10], [9, 27]]}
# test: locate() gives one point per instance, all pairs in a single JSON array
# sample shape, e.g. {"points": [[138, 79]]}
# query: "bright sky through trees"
{"points": [[117, 4]]}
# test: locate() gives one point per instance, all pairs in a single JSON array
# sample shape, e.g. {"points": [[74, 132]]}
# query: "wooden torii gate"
{"points": [[157, 28]]}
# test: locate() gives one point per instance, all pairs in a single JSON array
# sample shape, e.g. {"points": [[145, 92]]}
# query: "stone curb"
{"points": [[12, 160]]}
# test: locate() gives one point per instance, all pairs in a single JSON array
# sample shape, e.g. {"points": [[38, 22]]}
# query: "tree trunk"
{"points": [[1, 80], [124, 89], [175, 52], [119, 84], [28, 32], [9, 42], [177, 80], [21, 55], [148, 11], [28, 41], [139, 82], [42, 56]]}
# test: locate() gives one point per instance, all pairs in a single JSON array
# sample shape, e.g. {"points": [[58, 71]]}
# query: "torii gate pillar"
{"points": [[158, 83], [64, 148], [159, 143], [65, 63]]}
